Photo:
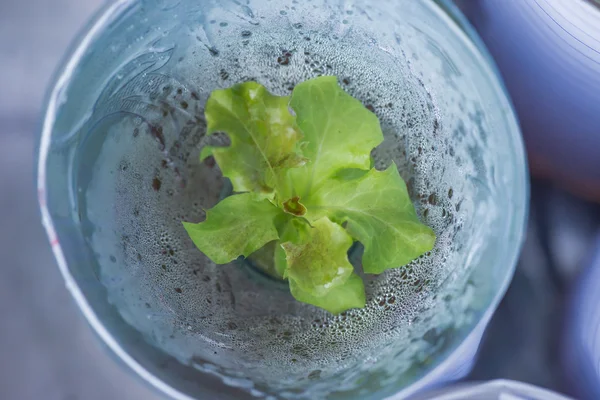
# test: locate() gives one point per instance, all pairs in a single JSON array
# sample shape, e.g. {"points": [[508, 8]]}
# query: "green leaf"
{"points": [[263, 133], [318, 262], [237, 225], [351, 294], [262, 259], [295, 230], [378, 213], [280, 262], [339, 133]]}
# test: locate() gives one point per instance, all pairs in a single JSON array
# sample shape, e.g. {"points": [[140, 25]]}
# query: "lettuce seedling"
{"points": [[300, 167]]}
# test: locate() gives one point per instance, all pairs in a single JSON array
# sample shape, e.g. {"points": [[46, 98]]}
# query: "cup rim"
{"points": [[54, 99]]}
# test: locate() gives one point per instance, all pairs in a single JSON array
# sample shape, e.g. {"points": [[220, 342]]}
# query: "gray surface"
{"points": [[47, 351]]}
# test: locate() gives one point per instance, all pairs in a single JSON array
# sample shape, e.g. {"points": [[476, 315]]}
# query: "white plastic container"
{"points": [[492, 390]]}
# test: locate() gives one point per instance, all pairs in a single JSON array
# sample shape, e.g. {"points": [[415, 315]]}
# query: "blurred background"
{"points": [[549, 54]]}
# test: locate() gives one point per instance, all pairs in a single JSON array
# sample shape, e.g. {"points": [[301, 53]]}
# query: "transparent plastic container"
{"points": [[119, 170]]}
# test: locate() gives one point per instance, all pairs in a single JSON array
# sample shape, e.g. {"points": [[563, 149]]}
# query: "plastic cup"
{"points": [[119, 170]]}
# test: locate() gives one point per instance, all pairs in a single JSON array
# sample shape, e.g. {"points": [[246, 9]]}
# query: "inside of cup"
{"points": [[124, 172]]}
